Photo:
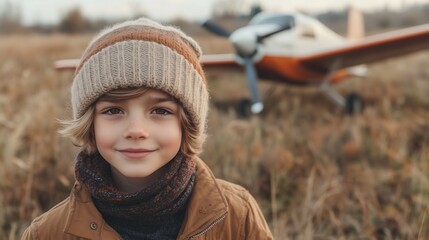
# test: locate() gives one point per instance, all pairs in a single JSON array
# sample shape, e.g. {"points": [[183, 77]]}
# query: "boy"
{"points": [[140, 102]]}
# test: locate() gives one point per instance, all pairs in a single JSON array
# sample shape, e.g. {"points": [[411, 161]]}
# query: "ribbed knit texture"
{"points": [[142, 53], [156, 211]]}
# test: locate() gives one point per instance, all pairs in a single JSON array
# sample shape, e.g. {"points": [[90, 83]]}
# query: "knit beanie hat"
{"points": [[142, 53]]}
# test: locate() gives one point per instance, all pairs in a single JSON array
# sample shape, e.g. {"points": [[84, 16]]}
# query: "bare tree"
{"points": [[10, 18], [74, 22]]}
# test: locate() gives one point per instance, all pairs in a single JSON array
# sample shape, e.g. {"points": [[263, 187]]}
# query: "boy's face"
{"points": [[138, 136]]}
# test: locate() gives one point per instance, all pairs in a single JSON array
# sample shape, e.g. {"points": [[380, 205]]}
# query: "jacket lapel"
{"points": [[206, 206], [84, 220]]}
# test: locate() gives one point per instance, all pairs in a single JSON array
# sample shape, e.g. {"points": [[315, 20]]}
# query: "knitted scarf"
{"points": [[154, 212]]}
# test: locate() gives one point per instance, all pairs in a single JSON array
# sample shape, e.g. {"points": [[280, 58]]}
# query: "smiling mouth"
{"points": [[135, 153]]}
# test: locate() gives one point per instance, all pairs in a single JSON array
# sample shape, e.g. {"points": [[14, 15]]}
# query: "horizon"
{"points": [[50, 12]]}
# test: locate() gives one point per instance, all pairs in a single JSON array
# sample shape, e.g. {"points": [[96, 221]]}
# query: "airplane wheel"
{"points": [[354, 104], [243, 108]]}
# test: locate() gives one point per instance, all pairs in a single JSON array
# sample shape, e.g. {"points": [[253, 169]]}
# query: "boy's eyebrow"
{"points": [[152, 100], [162, 99]]}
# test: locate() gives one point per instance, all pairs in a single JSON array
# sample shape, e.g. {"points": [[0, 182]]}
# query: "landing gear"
{"points": [[351, 104], [243, 108], [354, 104]]}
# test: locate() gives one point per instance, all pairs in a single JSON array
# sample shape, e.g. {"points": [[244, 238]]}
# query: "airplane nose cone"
{"points": [[245, 42]]}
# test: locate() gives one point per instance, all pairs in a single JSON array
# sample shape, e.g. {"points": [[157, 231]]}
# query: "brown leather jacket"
{"points": [[217, 210]]}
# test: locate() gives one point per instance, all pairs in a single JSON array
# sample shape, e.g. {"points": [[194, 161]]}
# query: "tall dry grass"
{"points": [[316, 173]]}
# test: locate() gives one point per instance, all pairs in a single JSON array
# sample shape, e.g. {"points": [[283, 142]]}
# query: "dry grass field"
{"points": [[317, 173]]}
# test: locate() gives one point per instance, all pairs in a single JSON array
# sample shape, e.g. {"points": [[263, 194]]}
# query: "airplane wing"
{"points": [[370, 49], [66, 64], [213, 60], [219, 60]]}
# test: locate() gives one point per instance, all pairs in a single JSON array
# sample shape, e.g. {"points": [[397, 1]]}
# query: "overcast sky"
{"points": [[50, 11]]}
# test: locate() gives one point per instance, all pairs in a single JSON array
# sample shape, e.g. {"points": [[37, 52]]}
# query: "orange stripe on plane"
{"points": [[288, 69]]}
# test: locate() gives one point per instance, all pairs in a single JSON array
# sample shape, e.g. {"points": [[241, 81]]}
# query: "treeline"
{"points": [[74, 21], [228, 15], [380, 20]]}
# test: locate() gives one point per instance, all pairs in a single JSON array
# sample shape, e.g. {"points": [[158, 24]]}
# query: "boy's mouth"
{"points": [[135, 152]]}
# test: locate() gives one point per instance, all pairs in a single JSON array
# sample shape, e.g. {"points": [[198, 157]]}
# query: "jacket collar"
{"points": [[84, 220], [207, 204]]}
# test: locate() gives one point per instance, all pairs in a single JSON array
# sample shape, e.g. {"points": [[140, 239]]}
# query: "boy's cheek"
{"points": [[104, 133]]}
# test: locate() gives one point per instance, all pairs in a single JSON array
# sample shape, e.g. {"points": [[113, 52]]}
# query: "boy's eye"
{"points": [[112, 111], [160, 111]]}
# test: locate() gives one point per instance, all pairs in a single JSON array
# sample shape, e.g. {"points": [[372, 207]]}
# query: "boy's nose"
{"points": [[136, 129]]}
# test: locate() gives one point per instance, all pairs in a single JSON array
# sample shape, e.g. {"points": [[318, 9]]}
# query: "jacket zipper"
{"points": [[208, 227]]}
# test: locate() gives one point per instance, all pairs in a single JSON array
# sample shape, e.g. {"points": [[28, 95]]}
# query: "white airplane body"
{"points": [[308, 36]]}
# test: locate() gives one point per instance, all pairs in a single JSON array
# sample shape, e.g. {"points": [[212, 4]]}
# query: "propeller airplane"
{"points": [[298, 49]]}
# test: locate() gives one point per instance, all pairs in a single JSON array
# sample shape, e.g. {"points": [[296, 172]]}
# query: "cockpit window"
{"points": [[280, 20]]}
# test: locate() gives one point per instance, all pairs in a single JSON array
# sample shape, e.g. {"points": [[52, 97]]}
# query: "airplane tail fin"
{"points": [[356, 26]]}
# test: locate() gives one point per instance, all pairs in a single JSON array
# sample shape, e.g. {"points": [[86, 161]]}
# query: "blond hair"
{"points": [[81, 130]]}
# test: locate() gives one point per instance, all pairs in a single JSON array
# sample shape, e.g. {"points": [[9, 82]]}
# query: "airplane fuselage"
{"points": [[276, 57]]}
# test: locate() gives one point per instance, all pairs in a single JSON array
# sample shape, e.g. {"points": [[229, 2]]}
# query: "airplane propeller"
{"points": [[216, 29], [246, 43], [252, 78]]}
